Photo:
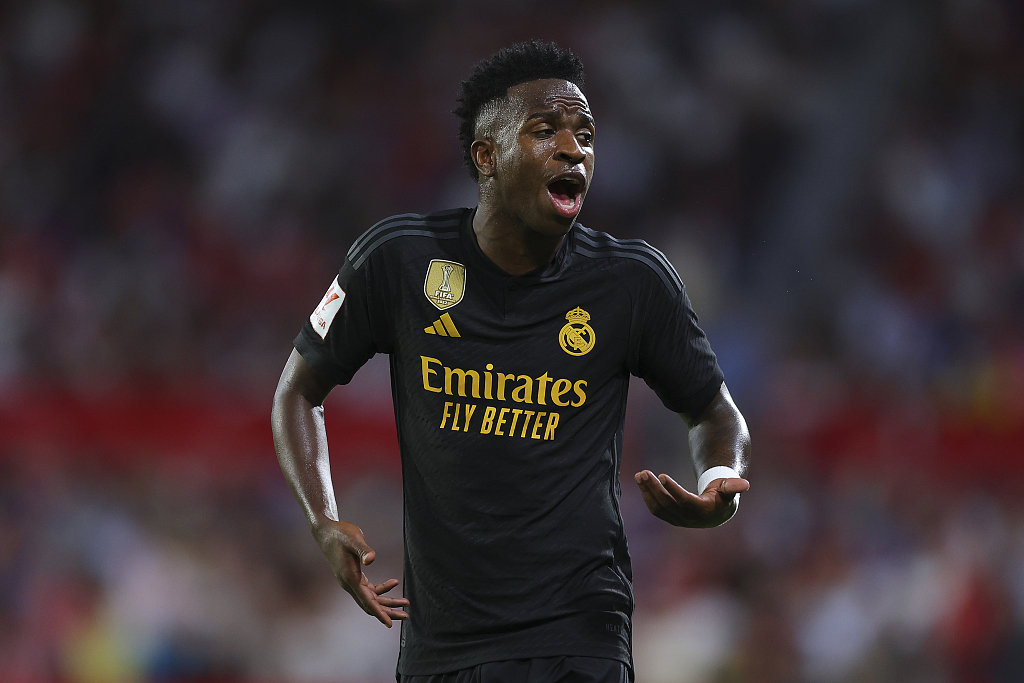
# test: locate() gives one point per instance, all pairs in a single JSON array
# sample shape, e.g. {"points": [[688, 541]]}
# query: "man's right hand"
{"points": [[347, 553]]}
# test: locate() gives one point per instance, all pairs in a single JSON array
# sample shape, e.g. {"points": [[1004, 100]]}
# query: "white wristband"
{"points": [[719, 472]]}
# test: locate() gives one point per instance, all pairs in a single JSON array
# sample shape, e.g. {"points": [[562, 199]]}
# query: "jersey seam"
{"points": [[668, 282], [593, 238], [387, 237], [400, 219]]}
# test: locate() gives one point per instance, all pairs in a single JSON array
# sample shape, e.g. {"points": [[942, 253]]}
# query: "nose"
{"points": [[569, 149]]}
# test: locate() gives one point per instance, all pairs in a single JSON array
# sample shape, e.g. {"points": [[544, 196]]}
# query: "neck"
{"points": [[509, 243]]}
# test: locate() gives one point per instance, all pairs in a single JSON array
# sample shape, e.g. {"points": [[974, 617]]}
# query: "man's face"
{"points": [[543, 154]]}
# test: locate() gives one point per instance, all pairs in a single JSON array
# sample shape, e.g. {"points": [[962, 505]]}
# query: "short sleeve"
{"points": [[349, 325], [674, 356]]}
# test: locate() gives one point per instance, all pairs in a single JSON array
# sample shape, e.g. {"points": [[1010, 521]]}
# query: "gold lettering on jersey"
{"points": [[488, 424], [445, 284], [524, 392], [439, 378], [527, 414], [576, 337], [447, 415], [427, 372], [458, 417], [509, 421], [462, 375]]}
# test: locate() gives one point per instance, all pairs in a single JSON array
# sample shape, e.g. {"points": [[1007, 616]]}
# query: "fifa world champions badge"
{"points": [[445, 284], [577, 337]]}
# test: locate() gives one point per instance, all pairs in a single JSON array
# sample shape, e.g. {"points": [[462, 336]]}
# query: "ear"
{"points": [[483, 153]]}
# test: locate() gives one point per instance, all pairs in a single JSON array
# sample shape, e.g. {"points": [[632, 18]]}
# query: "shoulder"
{"points": [[440, 225], [641, 256]]}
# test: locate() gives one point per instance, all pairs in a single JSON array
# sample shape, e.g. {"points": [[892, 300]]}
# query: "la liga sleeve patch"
{"points": [[323, 316]]}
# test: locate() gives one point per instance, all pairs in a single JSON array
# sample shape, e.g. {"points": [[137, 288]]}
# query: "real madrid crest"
{"points": [[445, 284], [577, 337]]}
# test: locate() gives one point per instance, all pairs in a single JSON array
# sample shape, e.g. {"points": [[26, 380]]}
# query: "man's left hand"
{"points": [[669, 501]]}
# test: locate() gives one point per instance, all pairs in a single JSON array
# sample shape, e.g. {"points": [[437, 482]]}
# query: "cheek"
{"points": [[520, 165]]}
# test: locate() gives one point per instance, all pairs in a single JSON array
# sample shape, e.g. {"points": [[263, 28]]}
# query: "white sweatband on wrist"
{"points": [[718, 472]]}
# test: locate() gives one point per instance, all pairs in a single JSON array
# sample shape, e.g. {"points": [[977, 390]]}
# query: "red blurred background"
{"points": [[839, 183]]}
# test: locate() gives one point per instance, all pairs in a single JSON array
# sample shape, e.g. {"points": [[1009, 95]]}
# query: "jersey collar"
{"points": [[549, 271]]}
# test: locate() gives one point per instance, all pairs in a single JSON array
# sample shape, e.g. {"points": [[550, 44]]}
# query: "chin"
{"points": [[556, 226]]}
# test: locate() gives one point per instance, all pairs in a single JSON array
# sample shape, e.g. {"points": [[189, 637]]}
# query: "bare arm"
{"points": [[718, 437], [301, 443]]}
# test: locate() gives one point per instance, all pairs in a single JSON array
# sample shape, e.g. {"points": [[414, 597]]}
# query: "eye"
{"points": [[545, 132], [586, 136]]}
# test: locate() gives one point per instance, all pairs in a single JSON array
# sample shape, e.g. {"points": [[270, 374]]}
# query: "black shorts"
{"points": [[537, 670]]}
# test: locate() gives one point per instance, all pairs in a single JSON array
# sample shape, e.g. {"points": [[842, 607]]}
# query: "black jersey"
{"points": [[510, 396]]}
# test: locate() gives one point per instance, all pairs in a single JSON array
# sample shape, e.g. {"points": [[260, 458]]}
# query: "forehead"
{"points": [[549, 93]]}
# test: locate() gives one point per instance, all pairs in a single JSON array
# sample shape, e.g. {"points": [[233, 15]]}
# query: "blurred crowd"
{"points": [[114, 576], [839, 182]]}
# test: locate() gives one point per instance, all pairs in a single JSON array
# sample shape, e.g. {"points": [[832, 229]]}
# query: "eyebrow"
{"points": [[553, 113]]}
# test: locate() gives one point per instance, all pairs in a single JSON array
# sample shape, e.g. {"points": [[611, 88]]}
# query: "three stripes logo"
{"points": [[443, 326]]}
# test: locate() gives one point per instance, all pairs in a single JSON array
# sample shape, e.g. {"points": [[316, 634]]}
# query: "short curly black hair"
{"points": [[508, 67]]}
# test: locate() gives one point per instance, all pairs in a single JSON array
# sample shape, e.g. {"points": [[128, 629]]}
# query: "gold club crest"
{"points": [[445, 283], [577, 337]]}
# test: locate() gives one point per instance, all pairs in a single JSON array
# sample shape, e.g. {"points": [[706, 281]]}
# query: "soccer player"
{"points": [[512, 331]]}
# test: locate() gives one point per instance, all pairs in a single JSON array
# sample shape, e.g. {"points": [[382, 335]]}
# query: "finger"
{"points": [[732, 486], [653, 505], [647, 481], [657, 489], [722, 491], [388, 601], [368, 603], [385, 587], [684, 498], [674, 489], [379, 611], [367, 599], [390, 613], [660, 503], [642, 479], [645, 476]]}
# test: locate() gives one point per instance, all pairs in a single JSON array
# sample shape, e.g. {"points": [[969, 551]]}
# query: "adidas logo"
{"points": [[443, 326]]}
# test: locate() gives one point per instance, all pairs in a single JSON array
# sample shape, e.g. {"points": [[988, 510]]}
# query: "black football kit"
{"points": [[510, 397]]}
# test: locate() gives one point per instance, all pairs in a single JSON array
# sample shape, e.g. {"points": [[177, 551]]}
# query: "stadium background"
{"points": [[839, 182]]}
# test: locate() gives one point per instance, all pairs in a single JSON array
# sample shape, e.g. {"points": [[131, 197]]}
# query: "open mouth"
{"points": [[567, 195]]}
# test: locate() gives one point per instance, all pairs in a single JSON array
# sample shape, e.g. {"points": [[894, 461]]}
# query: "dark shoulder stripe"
{"points": [[441, 219], [391, 220], [673, 285], [598, 236], [595, 240], [600, 239], [638, 247], [404, 218], [372, 237], [651, 252], [401, 233]]}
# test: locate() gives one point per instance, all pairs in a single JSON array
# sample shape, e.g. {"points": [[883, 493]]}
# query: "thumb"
{"points": [[733, 485], [358, 546]]}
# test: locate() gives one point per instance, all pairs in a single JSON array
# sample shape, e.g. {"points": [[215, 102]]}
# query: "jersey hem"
{"points": [[701, 399], [443, 666], [323, 366]]}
